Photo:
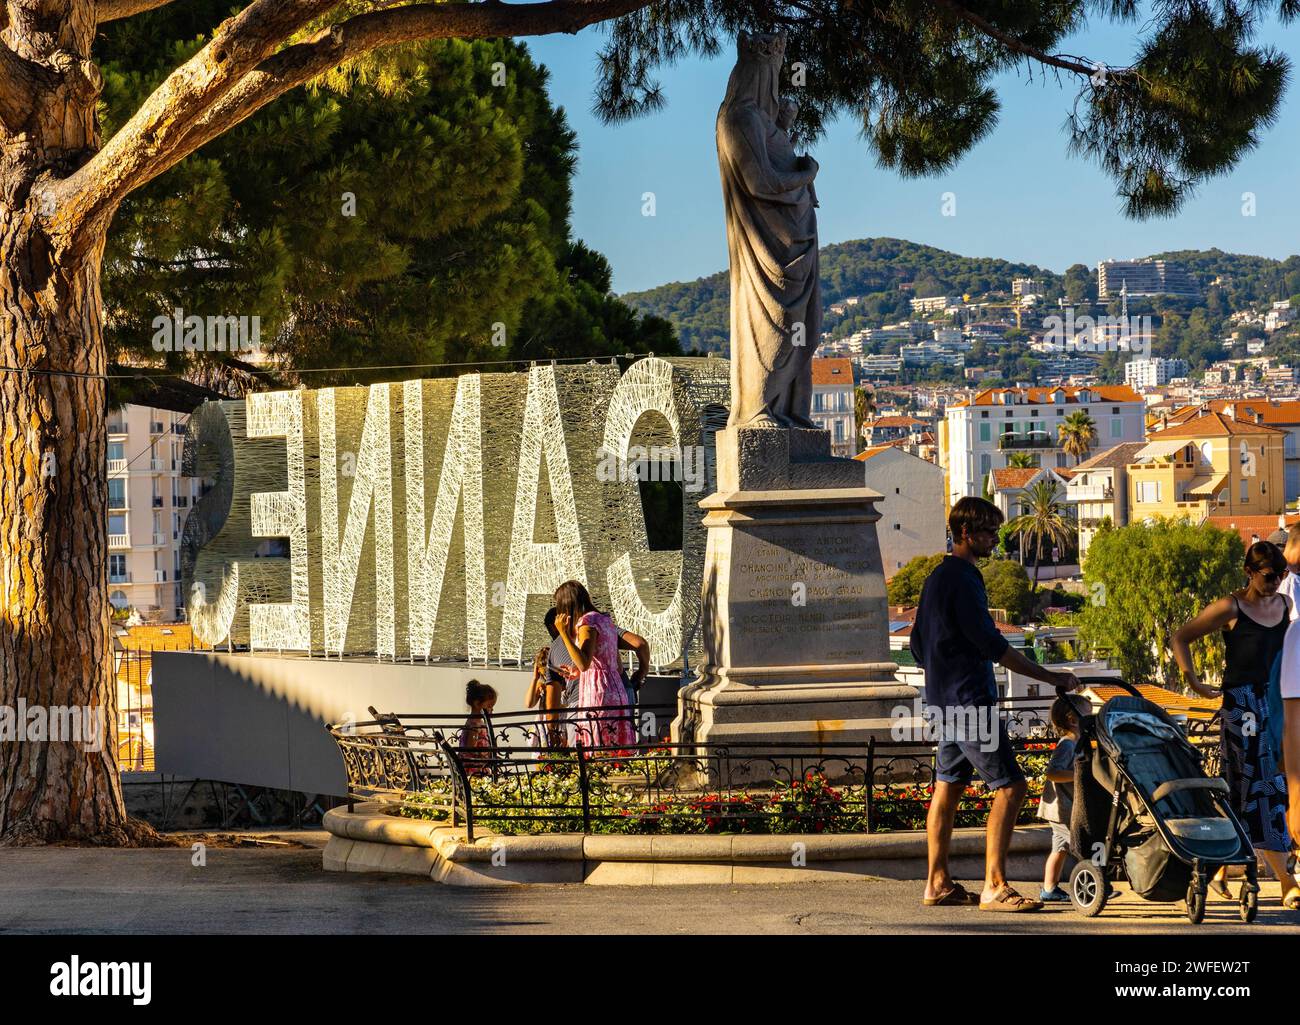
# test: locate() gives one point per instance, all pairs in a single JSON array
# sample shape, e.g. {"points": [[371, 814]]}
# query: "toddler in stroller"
{"points": [[1145, 811]]}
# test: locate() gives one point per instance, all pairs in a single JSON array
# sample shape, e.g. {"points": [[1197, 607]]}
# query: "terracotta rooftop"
{"points": [[1116, 455], [833, 371], [1269, 412], [1013, 478], [1248, 526], [1191, 705], [895, 421], [1211, 425], [1042, 396], [874, 450]]}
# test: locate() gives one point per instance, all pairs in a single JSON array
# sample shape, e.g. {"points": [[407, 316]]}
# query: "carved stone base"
{"points": [[795, 617]]}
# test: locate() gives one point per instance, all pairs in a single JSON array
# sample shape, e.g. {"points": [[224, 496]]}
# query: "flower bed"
{"points": [[546, 797]]}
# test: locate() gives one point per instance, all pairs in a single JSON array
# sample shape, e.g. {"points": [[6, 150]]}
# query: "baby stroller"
{"points": [[1144, 810]]}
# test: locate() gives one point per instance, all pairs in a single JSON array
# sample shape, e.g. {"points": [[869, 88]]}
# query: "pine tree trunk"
{"points": [[54, 636]]}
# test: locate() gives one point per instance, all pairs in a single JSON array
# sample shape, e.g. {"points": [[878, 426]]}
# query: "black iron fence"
{"points": [[521, 773]]}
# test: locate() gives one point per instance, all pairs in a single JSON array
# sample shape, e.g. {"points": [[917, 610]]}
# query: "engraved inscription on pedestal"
{"points": [[799, 598]]}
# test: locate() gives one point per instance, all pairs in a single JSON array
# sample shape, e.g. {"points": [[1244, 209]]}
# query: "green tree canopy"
{"points": [[1144, 582], [415, 210], [1008, 587], [904, 587], [919, 77]]}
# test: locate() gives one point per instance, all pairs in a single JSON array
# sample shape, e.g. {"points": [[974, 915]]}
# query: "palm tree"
{"points": [[864, 406], [1021, 461], [1077, 434], [1043, 522]]}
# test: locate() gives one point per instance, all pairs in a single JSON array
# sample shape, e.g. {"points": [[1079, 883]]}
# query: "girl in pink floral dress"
{"points": [[592, 641]]}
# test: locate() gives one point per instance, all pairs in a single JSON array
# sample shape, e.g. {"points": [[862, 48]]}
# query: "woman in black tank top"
{"points": [[1254, 622]]}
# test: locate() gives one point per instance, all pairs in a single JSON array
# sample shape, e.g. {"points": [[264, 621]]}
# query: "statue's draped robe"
{"points": [[772, 243]]}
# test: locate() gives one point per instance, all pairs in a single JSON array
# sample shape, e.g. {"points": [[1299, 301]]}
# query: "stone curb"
{"points": [[370, 840]]}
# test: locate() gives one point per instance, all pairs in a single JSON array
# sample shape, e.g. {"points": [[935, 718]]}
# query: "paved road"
{"points": [[285, 891]]}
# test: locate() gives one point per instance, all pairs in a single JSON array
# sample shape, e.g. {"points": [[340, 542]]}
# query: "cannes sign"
{"points": [[433, 518]]}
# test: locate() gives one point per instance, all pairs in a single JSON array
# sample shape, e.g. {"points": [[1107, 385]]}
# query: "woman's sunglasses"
{"points": [[1270, 577]]}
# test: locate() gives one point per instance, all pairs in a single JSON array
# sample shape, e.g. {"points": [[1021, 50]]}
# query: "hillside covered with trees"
{"points": [[886, 273]]}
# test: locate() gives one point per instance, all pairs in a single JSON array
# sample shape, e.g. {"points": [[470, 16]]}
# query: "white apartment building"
{"points": [[922, 354], [936, 304], [1144, 277], [1141, 374], [832, 403], [879, 366], [1279, 316], [148, 501], [980, 433]]}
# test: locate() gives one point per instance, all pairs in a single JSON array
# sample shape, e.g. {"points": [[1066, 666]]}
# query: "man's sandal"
{"points": [[1292, 899], [1008, 900], [958, 896]]}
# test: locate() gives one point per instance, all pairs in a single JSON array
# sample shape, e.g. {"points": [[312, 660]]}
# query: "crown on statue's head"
{"points": [[759, 46]]}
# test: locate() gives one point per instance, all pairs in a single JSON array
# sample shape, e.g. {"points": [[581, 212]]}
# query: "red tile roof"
{"points": [[1041, 396], [895, 421], [1191, 705], [1013, 478], [1211, 425], [836, 370], [1270, 412], [874, 450], [1246, 526], [1117, 455]]}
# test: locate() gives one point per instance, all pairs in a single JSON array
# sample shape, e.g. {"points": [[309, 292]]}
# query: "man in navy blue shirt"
{"points": [[956, 642]]}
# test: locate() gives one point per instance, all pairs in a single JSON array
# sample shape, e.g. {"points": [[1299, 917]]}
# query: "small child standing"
{"points": [[481, 698], [1058, 798]]}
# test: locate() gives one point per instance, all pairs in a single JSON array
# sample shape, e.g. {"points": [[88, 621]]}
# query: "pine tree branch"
{"points": [[1012, 43], [238, 73], [86, 200], [113, 10]]}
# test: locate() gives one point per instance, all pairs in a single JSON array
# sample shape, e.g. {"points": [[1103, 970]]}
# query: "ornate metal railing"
{"points": [[520, 773]]}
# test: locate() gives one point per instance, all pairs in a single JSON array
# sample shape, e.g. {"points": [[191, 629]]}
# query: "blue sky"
{"points": [[1018, 195]]}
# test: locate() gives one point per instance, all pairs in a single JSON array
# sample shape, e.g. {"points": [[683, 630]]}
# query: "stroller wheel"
{"points": [[1195, 903], [1249, 904], [1088, 889]]}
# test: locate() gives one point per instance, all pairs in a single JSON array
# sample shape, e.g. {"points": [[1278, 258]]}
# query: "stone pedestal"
{"points": [[795, 617]]}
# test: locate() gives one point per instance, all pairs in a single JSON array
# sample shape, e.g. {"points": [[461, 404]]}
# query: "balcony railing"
{"points": [[157, 427], [157, 501], [159, 539], [160, 576], [116, 466], [1090, 493], [1034, 439], [119, 540], [119, 578]]}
